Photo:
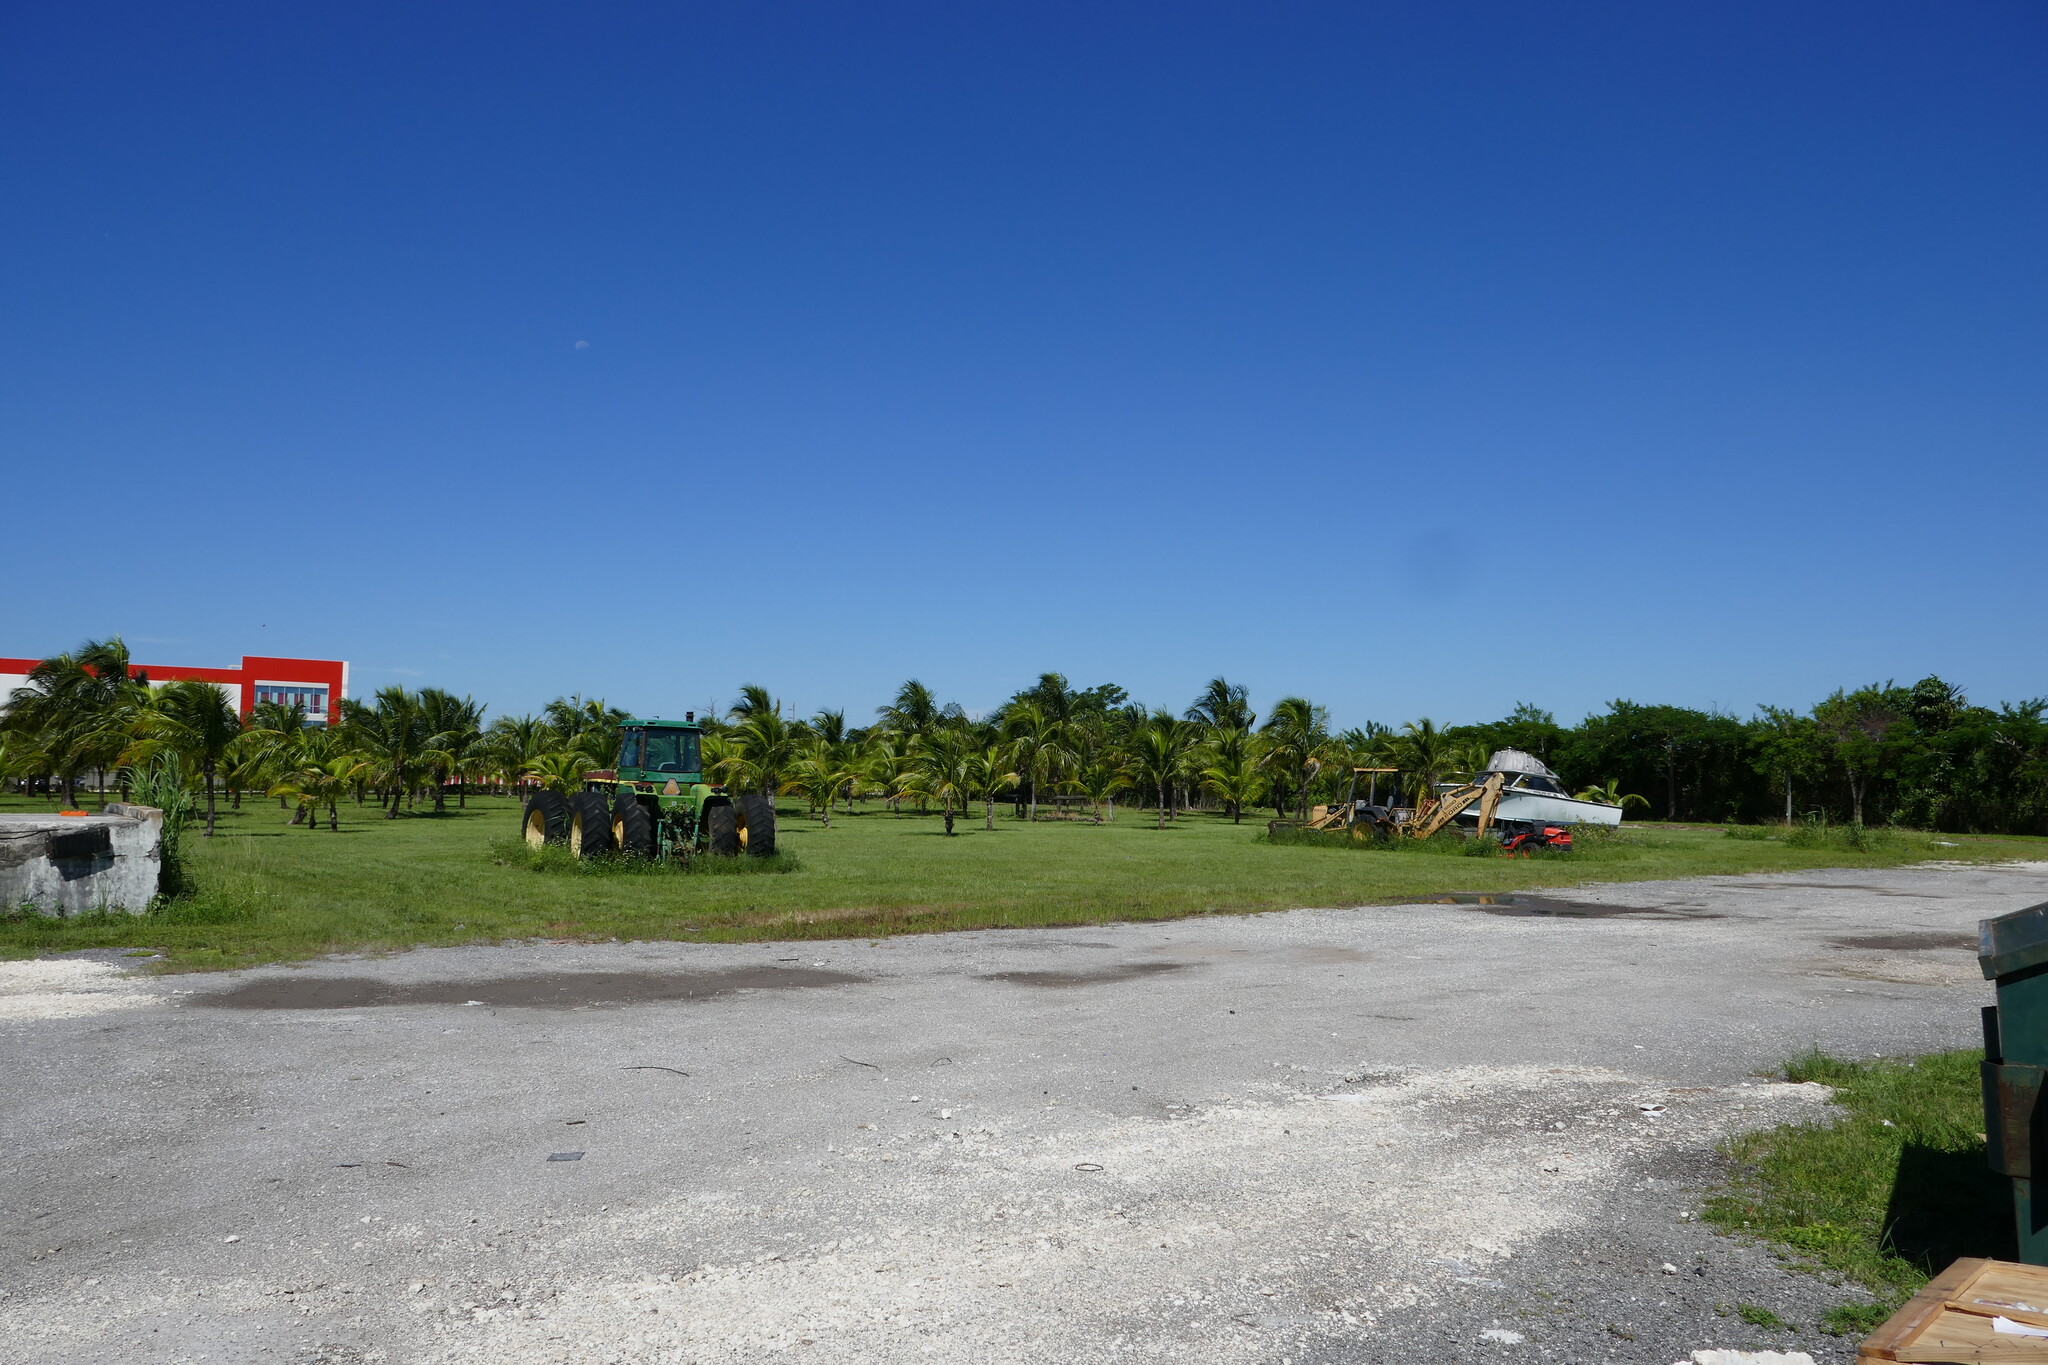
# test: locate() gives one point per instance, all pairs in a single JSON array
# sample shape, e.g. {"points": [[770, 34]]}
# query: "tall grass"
{"points": [[559, 861], [1819, 834]]}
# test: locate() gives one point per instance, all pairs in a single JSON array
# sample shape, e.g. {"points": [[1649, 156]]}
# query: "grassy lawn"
{"points": [[1887, 1196], [270, 893]]}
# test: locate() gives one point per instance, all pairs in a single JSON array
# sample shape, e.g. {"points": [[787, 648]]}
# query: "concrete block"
{"points": [[75, 864]]}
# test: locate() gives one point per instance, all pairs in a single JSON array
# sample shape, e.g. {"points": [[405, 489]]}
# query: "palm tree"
{"points": [[194, 720], [561, 771], [20, 757], [393, 735], [318, 784], [1160, 750], [821, 777], [760, 749], [755, 700], [916, 712], [79, 710], [1297, 737], [268, 747], [884, 760], [245, 768], [1040, 745], [1231, 773], [1424, 755], [512, 742], [939, 770], [589, 725], [989, 772], [455, 733], [1470, 759], [1612, 795], [1223, 705]]}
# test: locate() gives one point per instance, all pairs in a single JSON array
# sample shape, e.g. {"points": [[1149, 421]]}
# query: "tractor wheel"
{"points": [[545, 819], [632, 828], [722, 829], [590, 824], [757, 825]]}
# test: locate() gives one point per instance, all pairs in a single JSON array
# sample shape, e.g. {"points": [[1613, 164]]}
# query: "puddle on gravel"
{"points": [[1099, 976], [1505, 903], [1914, 942], [545, 991]]}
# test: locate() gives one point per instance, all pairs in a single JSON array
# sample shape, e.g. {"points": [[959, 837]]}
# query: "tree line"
{"points": [[1921, 755]]}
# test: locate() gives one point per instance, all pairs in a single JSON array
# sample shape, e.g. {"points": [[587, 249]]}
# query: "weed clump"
{"points": [[1847, 838]]}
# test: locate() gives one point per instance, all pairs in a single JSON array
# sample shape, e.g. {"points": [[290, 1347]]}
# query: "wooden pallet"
{"points": [[1952, 1320]]}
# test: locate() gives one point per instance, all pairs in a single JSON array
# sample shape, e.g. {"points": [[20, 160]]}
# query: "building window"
{"points": [[305, 695]]}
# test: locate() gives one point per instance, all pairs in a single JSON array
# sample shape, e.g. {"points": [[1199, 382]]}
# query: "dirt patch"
{"points": [[1098, 976], [1328, 957], [1311, 955], [1774, 884], [545, 991], [1915, 942], [1503, 903]]}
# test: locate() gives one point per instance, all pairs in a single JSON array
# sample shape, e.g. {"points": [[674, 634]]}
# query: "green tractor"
{"points": [[655, 804]]}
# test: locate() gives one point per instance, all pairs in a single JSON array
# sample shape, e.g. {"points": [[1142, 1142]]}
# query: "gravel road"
{"points": [[1379, 1134]]}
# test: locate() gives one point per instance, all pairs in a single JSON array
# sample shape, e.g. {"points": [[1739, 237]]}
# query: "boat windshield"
{"points": [[670, 751], [1535, 782]]}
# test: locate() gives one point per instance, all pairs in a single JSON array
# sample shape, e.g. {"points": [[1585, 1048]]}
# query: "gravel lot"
{"points": [[1381, 1134]]}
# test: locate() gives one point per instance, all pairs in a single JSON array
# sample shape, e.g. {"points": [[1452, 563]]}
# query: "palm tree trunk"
{"points": [[208, 770], [1162, 805], [988, 819], [1788, 799]]}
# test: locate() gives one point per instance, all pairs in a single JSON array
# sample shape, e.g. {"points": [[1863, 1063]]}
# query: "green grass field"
{"points": [[267, 893]]}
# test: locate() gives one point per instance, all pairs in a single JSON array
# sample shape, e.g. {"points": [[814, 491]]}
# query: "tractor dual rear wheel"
{"points": [[590, 824], [757, 825], [722, 829], [545, 819], [632, 828]]}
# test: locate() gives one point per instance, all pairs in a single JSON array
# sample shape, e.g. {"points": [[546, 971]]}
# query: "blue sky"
{"points": [[1419, 358]]}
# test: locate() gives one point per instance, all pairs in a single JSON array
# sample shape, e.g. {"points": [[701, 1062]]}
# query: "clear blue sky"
{"points": [[1421, 358]]}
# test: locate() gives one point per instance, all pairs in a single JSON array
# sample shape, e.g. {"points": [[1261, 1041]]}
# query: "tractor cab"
{"points": [[661, 751]]}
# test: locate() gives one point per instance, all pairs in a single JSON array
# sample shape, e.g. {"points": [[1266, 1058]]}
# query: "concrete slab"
{"points": [[78, 864], [1371, 1134]]}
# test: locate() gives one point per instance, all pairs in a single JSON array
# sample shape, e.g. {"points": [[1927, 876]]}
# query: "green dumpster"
{"points": [[2013, 951]]}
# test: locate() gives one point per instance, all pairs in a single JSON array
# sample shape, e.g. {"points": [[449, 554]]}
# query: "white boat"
{"points": [[1531, 794]]}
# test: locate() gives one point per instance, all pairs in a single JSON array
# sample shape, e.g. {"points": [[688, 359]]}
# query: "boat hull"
{"points": [[1544, 808]]}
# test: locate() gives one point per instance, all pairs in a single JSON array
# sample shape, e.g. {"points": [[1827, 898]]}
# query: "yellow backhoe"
{"points": [[1453, 803], [1447, 808]]}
